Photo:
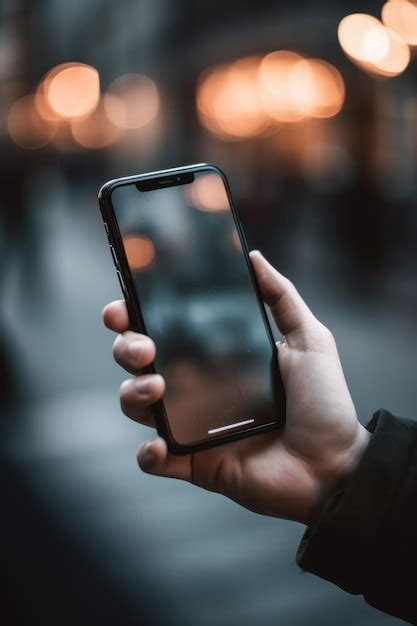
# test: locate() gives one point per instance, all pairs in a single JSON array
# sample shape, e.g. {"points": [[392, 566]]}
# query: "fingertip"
{"points": [[150, 387], [152, 454], [140, 348], [261, 266], [154, 458], [261, 263], [159, 385], [115, 316], [256, 256]]}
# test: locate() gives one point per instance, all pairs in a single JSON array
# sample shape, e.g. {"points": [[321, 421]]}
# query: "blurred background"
{"points": [[310, 109]]}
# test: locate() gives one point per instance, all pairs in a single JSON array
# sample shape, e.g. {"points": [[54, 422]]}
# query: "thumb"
{"points": [[290, 312]]}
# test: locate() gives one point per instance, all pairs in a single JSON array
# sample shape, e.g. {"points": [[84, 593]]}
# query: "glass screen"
{"points": [[199, 306]]}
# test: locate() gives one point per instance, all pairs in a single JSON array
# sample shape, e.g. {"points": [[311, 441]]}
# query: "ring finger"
{"points": [[137, 396]]}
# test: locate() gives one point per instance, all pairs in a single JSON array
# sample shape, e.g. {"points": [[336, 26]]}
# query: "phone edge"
{"points": [[136, 316]]}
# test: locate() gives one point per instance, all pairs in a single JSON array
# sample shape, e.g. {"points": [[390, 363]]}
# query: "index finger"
{"points": [[116, 317]]}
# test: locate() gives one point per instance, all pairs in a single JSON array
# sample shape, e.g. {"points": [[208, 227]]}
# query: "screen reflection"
{"points": [[199, 306]]}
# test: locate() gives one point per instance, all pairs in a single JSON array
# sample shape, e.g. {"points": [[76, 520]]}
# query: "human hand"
{"points": [[283, 474]]}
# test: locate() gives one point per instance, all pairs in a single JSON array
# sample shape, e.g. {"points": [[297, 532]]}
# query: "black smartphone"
{"points": [[184, 269]]}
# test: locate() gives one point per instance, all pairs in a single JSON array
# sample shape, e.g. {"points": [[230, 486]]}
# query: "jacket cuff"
{"points": [[344, 544]]}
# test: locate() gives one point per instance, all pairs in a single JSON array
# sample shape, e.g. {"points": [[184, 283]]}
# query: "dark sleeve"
{"points": [[365, 538]]}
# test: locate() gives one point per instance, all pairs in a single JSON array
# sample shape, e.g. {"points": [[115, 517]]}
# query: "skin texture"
{"points": [[283, 474]]}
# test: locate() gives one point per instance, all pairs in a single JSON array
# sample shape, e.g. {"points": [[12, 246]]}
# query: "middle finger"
{"points": [[133, 351]]}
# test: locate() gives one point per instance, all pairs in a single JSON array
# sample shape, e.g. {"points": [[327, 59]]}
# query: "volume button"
{"points": [[115, 259], [122, 285]]}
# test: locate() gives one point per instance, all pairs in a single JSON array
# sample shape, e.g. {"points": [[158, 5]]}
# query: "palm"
{"points": [[258, 473], [279, 473]]}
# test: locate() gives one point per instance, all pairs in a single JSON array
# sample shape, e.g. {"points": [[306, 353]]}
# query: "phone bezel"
{"points": [[135, 313]]}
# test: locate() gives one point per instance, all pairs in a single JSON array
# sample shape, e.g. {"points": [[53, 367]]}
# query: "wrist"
{"points": [[338, 473]]}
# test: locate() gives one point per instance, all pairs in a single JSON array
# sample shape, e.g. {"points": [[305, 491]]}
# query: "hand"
{"points": [[283, 474]]}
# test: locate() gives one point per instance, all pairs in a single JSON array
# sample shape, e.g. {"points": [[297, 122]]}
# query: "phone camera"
{"points": [[178, 178]]}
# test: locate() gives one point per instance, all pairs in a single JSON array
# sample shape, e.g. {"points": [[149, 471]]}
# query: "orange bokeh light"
{"points": [[43, 107], [97, 131], [252, 95], [372, 45], [375, 44], [401, 17], [72, 90], [317, 88], [397, 58], [135, 102], [140, 251], [228, 100], [26, 128], [275, 83], [208, 94], [355, 37], [208, 193]]}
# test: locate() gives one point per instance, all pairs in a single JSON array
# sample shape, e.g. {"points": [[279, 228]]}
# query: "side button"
{"points": [[122, 285], [115, 259]]}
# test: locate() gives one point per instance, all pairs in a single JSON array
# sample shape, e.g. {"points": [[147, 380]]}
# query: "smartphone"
{"points": [[184, 269]]}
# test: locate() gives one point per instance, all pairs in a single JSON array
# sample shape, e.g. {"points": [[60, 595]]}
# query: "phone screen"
{"points": [[200, 307]]}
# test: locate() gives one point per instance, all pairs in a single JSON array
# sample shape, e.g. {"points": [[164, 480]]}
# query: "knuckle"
{"points": [[159, 381], [151, 345], [132, 405], [289, 285], [125, 393], [117, 348], [326, 333], [104, 313], [143, 463], [139, 459]]}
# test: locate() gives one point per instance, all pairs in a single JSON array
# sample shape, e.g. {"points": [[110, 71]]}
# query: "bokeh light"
{"points": [[360, 37], [208, 193], [26, 127], [275, 82], [140, 251], [135, 102], [397, 58], [228, 99], [317, 87], [97, 131], [373, 46], [72, 90], [401, 16], [43, 107], [253, 95], [209, 92]]}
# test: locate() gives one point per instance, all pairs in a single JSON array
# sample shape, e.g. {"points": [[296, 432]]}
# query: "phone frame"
{"points": [[135, 313]]}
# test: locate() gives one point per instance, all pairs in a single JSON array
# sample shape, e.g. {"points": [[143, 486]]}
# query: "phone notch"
{"points": [[165, 181]]}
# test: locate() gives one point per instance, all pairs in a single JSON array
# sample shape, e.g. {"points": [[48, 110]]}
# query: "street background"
{"points": [[326, 189]]}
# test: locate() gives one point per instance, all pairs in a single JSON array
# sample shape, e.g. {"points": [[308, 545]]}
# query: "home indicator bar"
{"points": [[213, 431]]}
